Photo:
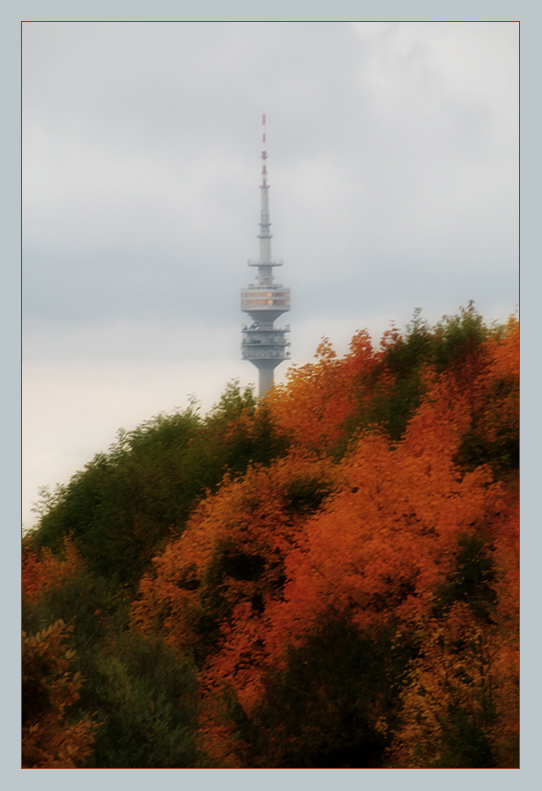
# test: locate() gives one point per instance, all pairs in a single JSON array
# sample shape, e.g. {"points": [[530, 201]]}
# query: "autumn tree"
{"points": [[232, 551], [317, 401], [383, 546], [51, 738], [43, 571], [336, 565]]}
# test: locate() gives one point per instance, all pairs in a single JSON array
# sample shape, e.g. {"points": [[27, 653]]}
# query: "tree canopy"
{"points": [[324, 578]]}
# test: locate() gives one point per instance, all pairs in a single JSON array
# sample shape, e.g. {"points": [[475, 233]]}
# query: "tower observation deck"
{"points": [[264, 344]]}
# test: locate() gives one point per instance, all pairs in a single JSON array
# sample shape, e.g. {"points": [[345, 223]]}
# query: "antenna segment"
{"points": [[263, 344]]}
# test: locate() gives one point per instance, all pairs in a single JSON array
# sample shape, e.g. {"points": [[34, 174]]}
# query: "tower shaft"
{"points": [[263, 344]]}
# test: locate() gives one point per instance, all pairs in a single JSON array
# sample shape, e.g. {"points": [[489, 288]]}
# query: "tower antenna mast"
{"points": [[263, 344]]}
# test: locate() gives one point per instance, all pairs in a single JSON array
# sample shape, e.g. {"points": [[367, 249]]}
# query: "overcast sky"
{"points": [[393, 164]]}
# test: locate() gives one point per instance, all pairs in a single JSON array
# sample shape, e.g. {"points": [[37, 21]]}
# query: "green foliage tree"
{"points": [[147, 698], [455, 344], [334, 705], [128, 502], [143, 697]]}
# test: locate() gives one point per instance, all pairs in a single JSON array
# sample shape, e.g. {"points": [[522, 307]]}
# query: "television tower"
{"points": [[264, 301]]}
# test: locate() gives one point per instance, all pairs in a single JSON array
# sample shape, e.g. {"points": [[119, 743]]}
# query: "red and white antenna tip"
{"points": [[263, 119]]}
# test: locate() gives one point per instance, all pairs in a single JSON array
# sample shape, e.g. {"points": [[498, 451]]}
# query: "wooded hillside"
{"points": [[325, 578]]}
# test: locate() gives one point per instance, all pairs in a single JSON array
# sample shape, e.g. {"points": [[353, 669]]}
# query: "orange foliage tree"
{"points": [[378, 550], [43, 570], [317, 399], [414, 533], [50, 739], [232, 551]]}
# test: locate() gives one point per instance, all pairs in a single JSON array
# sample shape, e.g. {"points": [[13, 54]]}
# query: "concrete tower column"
{"points": [[264, 344]]}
